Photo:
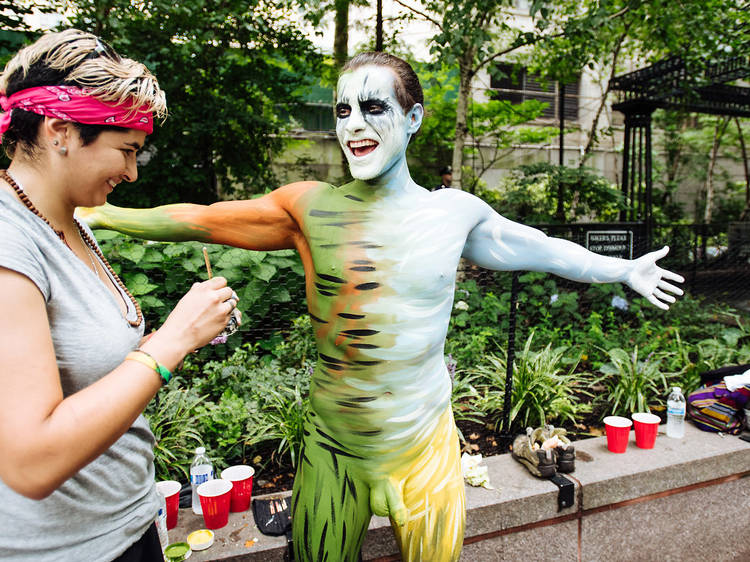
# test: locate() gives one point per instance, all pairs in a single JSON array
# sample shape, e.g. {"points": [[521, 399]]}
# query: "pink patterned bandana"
{"points": [[73, 104]]}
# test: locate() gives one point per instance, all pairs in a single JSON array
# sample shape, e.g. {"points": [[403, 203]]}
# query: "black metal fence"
{"points": [[713, 258]]}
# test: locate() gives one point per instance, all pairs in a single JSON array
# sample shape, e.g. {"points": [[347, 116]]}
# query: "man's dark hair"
{"points": [[407, 88]]}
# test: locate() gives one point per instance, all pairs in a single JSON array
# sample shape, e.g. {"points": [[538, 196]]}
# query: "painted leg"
{"points": [[435, 499], [330, 502]]}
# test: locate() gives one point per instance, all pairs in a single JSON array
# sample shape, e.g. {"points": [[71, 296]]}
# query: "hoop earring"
{"points": [[63, 150]]}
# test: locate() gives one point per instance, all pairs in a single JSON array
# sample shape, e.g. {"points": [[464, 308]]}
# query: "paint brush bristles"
{"points": [[208, 263]]}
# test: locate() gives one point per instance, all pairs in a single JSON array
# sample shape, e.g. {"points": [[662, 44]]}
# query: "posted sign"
{"points": [[614, 243]]}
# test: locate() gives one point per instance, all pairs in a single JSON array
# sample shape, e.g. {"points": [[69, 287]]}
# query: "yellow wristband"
{"points": [[146, 358]]}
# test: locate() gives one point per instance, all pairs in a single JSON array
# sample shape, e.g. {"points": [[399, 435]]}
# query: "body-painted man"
{"points": [[380, 257]]}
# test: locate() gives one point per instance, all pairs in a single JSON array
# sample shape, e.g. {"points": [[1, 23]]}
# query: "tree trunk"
{"points": [[721, 126], [592, 135], [341, 33], [379, 27], [462, 105], [743, 150], [340, 56]]}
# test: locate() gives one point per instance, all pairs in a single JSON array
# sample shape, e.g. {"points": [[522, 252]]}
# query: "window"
{"points": [[515, 84]]}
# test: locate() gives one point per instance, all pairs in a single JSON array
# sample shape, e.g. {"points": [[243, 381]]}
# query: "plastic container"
{"points": [[177, 552], [161, 522], [676, 414], [200, 539], [201, 470]]}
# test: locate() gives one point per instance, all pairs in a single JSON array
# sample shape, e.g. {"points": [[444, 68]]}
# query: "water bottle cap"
{"points": [[676, 389], [200, 451]]}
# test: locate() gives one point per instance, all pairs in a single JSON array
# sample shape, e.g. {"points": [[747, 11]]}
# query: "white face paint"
{"points": [[370, 124]]}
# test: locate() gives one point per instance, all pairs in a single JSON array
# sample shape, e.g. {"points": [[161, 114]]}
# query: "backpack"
{"points": [[714, 408]]}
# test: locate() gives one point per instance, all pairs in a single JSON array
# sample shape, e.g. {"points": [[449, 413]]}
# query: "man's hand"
{"points": [[651, 281]]}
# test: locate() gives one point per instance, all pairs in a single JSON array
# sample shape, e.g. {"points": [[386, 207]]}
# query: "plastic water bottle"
{"points": [[161, 522], [201, 470], [676, 414]]}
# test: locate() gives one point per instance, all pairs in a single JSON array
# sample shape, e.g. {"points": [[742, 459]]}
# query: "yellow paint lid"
{"points": [[200, 539]]}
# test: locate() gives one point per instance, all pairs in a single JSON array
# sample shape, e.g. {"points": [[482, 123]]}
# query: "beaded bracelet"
{"points": [[147, 359]]}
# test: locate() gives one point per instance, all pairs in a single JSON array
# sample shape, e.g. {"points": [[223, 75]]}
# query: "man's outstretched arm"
{"points": [[498, 243], [265, 223]]}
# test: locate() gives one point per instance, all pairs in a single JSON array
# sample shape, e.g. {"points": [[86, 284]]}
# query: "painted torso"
{"points": [[380, 298]]}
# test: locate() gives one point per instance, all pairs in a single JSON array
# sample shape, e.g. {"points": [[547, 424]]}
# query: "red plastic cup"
{"points": [[170, 489], [241, 477], [618, 432], [646, 427], [215, 496]]}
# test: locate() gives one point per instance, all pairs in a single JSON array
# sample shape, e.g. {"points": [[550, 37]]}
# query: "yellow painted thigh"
{"points": [[433, 490]]}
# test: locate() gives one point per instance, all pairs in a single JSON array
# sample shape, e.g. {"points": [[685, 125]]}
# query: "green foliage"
{"points": [[633, 385], [545, 390], [173, 416], [230, 70], [496, 128], [463, 394], [431, 149], [270, 284], [529, 194], [281, 420]]}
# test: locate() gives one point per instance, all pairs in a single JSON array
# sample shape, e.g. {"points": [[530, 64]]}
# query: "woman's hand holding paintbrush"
{"points": [[235, 316]]}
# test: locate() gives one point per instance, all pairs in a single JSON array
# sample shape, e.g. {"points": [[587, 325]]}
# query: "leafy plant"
{"points": [[463, 394], [270, 284], [544, 390], [632, 384], [173, 416], [282, 419]]}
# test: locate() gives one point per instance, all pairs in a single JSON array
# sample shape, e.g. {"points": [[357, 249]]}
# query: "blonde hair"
{"points": [[112, 79]]}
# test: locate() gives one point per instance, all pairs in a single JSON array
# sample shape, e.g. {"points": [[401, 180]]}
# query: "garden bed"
{"points": [[582, 352]]}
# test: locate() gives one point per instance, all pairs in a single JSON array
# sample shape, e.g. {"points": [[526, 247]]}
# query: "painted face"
{"points": [[370, 124], [106, 162]]}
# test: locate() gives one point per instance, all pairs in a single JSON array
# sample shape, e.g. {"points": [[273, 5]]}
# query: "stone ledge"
{"points": [[523, 506]]}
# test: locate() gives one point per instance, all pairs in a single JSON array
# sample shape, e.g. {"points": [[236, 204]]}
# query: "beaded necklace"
{"points": [[88, 242]]}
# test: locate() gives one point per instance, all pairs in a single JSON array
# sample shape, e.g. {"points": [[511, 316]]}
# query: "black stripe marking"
{"points": [[336, 451], [331, 278], [362, 262], [329, 359], [326, 293], [331, 439], [359, 333], [364, 398], [369, 433], [363, 345], [321, 547], [313, 317], [320, 213], [307, 533], [368, 363], [351, 316], [333, 367], [367, 286], [347, 404], [363, 268], [354, 198], [342, 224]]}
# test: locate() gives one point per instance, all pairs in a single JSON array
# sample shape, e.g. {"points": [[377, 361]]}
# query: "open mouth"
{"points": [[362, 147]]}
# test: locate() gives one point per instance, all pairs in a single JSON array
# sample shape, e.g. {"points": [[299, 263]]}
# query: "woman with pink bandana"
{"points": [[76, 468], [380, 257]]}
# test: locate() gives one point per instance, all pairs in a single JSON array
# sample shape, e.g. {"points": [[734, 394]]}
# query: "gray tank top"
{"points": [[108, 505]]}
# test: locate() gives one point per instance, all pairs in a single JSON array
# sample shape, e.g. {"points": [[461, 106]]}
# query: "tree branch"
{"points": [[420, 13]]}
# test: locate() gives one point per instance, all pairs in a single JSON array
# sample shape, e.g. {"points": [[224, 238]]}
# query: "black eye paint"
{"points": [[343, 110], [374, 106]]}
